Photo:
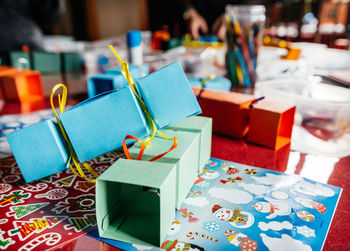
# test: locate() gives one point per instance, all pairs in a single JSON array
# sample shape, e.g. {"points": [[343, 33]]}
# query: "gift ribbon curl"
{"points": [[149, 118], [62, 98]]}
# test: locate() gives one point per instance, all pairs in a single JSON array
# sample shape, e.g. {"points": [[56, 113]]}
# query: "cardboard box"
{"points": [[71, 62], [100, 124], [271, 123], [227, 109], [46, 62], [185, 156], [215, 84], [168, 95], [101, 83], [39, 150], [203, 126], [135, 201], [22, 86]]}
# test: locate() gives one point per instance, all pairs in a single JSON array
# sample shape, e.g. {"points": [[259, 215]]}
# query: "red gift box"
{"points": [[229, 111], [271, 123], [22, 86]]}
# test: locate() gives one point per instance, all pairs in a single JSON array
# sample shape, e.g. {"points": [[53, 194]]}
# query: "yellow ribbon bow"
{"points": [[62, 99], [131, 83]]}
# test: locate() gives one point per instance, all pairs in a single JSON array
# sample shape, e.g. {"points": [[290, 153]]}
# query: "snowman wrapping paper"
{"points": [[237, 207]]}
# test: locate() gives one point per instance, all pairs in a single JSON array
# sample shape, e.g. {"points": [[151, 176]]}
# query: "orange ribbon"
{"points": [[142, 148]]}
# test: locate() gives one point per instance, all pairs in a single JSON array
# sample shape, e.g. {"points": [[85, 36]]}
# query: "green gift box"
{"points": [[46, 62], [15, 56], [185, 156], [71, 62], [203, 126], [135, 201]]}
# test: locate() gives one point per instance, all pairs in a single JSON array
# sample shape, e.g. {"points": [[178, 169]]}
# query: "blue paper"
{"points": [[101, 83], [39, 150], [168, 95], [113, 79], [99, 125], [135, 71], [215, 84], [272, 205]]}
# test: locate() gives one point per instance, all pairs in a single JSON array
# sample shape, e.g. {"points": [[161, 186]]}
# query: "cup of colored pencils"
{"points": [[244, 31]]}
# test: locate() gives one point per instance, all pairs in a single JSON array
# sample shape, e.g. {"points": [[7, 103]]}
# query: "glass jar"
{"points": [[244, 32]]}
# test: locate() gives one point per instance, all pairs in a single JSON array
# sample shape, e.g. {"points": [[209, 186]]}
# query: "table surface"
{"points": [[333, 171], [327, 170]]}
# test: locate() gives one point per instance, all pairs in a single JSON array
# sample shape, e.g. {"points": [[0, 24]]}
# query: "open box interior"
{"points": [[132, 213], [285, 128], [102, 85]]}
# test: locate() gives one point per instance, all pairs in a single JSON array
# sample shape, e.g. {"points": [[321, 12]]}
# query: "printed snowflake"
{"points": [[211, 226], [306, 231], [203, 184]]}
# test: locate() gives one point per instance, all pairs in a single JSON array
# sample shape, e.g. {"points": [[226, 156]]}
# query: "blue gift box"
{"points": [[113, 79], [215, 84], [39, 149], [100, 124], [135, 71], [168, 95], [101, 83]]}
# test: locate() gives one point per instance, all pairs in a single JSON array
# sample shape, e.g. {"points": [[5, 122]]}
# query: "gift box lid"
{"points": [[275, 106], [168, 95], [229, 97], [99, 125], [194, 123], [138, 173], [39, 149]]}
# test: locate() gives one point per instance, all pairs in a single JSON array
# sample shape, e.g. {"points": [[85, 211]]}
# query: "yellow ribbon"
{"points": [[72, 155], [210, 77], [149, 118]]}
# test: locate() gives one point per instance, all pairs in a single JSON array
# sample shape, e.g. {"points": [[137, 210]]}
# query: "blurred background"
{"points": [[295, 50]]}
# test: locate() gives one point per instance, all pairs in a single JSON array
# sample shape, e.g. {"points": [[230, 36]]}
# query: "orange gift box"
{"points": [[229, 111], [271, 123], [5, 70], [22, 86]]}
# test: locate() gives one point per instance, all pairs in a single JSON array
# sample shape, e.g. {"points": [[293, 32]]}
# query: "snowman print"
{"points": [[236, 217], [175, 228], [208, 174], [274, 209]]}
